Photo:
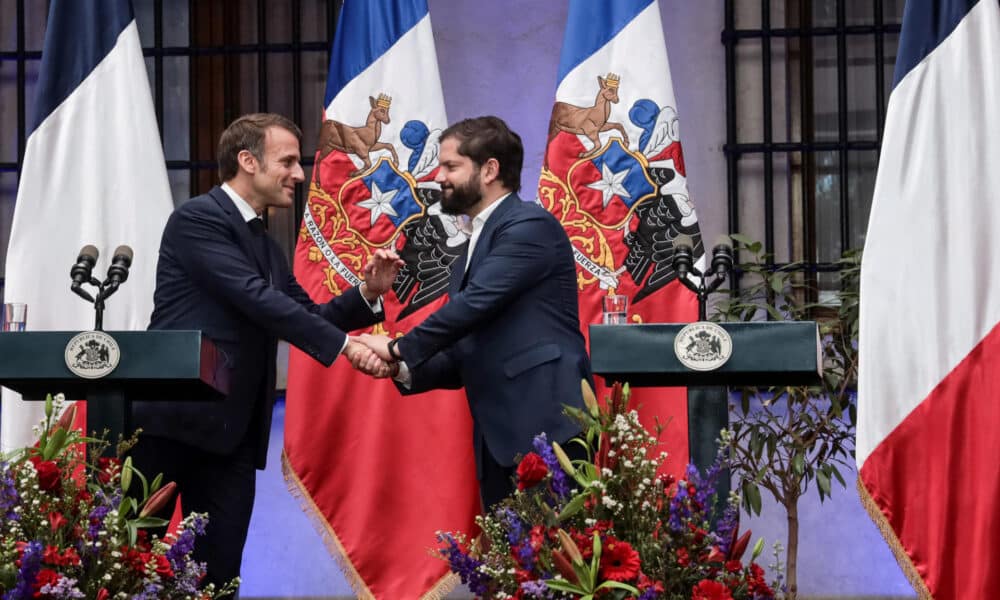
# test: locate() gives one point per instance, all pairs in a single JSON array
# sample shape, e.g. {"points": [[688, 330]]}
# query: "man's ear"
{"points": [[247, 161], [492, 171]]}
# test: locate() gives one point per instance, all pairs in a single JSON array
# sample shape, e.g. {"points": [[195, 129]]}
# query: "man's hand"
{"points": [[380, 272], [365, 360], [378, 344]]}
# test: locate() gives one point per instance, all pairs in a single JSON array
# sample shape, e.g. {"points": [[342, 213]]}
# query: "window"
{"points": [[208, 62], [807, 83]]}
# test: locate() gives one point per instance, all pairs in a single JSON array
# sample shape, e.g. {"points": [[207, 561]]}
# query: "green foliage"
{"points": [[783, 439]]}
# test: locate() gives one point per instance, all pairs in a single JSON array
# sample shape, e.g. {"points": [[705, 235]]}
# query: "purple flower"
{"points": [[560, 481], [536, 589], [64, 588], [31, 562], [649, 594], [9, 497], [463, 564]]}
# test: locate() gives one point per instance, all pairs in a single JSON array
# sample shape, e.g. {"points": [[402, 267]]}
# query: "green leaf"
{"points": [[573, 506], [55, 443], [619, 586], [126, 480], [147, 522], [837, 474], [799, 464], [823, 480], [157, 481], [752, 494], [595, 560], [757, 549], [564, 586]]}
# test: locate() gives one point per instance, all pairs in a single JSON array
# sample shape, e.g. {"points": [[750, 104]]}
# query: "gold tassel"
{"points": [[336, 549], [889, 534]]}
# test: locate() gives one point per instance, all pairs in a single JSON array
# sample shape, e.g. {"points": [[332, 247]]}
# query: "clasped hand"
{"points": [[369, 353]]}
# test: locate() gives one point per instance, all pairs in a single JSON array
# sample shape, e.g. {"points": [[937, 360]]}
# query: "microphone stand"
{"points": [[683, 263]]}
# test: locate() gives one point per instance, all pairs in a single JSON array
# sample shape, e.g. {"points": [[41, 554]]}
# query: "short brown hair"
{"points": [[247, 133], [483, 138]]}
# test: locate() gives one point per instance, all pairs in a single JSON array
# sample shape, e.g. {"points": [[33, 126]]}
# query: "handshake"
{"points": [[370, 355]]}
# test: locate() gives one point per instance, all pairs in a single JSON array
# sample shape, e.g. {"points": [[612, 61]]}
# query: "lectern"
{"points": [[763, 354], [154, 365]]}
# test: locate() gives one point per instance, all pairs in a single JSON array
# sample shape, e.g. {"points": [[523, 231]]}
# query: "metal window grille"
{"points": [[807, 83]]}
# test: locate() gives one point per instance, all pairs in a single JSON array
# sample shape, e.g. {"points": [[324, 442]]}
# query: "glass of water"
{"points": [[615, 309], [15, 316]]}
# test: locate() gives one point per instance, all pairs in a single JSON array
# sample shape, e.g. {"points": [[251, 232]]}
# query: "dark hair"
{"points": [[247, 133], [483, 138]]}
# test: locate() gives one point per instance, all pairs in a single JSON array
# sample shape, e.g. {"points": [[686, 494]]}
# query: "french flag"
{"points": [[93, 173], [928, 450]]}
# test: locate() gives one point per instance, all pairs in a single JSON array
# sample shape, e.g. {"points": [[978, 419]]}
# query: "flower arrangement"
{"points": [[71, 528], [608, 527]]}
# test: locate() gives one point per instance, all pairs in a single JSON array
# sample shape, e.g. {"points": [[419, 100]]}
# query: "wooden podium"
{"points": [[763, 354], [154, 365]]}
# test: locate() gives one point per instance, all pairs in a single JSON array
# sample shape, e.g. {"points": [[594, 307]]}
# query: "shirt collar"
{"points": [[484, 215], [246, 211]]}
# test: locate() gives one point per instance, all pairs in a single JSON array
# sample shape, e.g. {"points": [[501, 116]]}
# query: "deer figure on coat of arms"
{"points": [[589, 121], [359, 141]]}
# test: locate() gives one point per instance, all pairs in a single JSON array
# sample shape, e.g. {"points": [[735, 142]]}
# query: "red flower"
{"points": [[106, 467], [45, 577], [102, 594], [734, 566], [710, 590], [52, 556], [619, 561], [715, 555], [531, 471], [756, 583], [682, 557], [49, 476], [56, 520], [162, 565]]}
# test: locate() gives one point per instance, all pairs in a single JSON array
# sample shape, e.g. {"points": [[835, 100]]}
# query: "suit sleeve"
{"points": [[348, 311], [209, 251], [519, 258]]}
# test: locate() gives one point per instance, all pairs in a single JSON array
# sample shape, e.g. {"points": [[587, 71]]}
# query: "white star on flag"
{"points": [[380, 203], [610, 184]]}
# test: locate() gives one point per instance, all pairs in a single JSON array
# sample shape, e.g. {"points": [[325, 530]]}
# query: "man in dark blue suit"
{"points": [[510, 333], [219, 271]]}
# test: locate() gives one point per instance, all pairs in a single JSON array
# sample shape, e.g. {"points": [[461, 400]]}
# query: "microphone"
{"points": [[722, 255], [683, 255], [120, 263], [84, 265], [81, 271]]}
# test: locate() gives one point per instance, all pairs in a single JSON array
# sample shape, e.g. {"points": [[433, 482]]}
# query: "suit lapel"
{"points": [[485, 242], [243, 234]]}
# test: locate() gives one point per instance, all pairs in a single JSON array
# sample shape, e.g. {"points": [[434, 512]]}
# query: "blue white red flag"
{"points": [[614, 176], [380, 474], [93, 173], [928, 393]]}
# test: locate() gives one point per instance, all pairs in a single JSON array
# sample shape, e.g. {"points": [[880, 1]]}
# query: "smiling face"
{"points": [[276, 174], [459, 178]]}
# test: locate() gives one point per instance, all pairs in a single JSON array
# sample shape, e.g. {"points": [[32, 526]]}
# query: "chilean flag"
{"points": [[614, 176], [93, 173], [928, 451], [379, 473]]}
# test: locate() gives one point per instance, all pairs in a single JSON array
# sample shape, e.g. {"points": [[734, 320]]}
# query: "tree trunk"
{"points": [[792, 553]]}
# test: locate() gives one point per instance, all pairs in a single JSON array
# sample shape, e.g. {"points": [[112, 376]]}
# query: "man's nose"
{"points": [[439, 178], [298, 174]]}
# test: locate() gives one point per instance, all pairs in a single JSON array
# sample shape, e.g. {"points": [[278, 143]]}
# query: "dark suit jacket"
{"points": [[510, 333], [210, 277]]}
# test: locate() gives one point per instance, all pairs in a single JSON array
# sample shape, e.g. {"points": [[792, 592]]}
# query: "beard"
{"points": [[456, 200]]}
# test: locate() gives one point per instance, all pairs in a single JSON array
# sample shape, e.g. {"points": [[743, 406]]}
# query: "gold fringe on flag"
{"points": [[889, 534], [336, 549]]}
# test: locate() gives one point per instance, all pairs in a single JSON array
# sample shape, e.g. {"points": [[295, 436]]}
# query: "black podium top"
{"points": [[764, 353], [154, 365]]}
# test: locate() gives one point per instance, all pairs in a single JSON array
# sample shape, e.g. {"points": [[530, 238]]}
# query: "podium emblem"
{"points": [[92, 354], [703, 346]]}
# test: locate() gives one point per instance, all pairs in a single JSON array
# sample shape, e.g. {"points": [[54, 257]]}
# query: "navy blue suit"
{"points": [[216, 275], [510, 334]]}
